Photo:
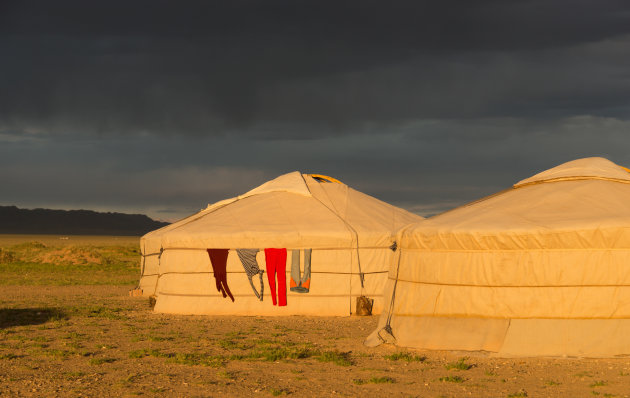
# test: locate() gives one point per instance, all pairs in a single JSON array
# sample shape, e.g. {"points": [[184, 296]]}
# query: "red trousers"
{"points": [[276, 260]]}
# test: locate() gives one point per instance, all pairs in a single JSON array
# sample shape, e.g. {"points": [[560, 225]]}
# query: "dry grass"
{"points": [[50, 260], [70, 240]]}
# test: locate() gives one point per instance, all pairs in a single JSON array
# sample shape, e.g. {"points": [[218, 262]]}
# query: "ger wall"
{"points": [[185, 283], [547, 302]]}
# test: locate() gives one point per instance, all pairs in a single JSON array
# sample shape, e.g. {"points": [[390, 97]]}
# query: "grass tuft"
{"points": [[336, 357], [459, 365], [405, 356], [230, 344], [452, 379], [73, 375], [58, 354], [375, 380], [599, 383], [9, 356], [190, 359], [100, 361], [146, 353], [273, 354], [198, 360]]}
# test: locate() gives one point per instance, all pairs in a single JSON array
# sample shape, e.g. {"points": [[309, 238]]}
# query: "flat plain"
{"points": [[69, 328]]}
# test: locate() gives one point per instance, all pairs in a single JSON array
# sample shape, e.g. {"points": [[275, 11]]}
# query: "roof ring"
{"points": [[323, 178], [625, 168]]}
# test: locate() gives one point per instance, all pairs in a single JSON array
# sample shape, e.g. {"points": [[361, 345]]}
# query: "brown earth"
{"points": [[97, 341]]}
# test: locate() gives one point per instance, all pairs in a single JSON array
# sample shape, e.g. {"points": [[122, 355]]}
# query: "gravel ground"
{"points": [[97, 341]]}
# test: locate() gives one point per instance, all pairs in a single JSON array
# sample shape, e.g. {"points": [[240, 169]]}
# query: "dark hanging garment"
{"points": [[248, 259], [218, 259]]}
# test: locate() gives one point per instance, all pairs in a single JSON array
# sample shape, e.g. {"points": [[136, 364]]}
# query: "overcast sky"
{"points": [[160, 107]]}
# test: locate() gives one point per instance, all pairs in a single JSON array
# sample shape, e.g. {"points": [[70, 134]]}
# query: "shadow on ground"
{"points": [[29, 316]]}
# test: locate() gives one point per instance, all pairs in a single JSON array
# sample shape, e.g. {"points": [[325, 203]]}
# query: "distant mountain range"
{"points": [[14, 220]]}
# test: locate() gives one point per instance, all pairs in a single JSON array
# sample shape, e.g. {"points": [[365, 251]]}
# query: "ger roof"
{"points": [[585, 202], [587, 168], [292, 210]]}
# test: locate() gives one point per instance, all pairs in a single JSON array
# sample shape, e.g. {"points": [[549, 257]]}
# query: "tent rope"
{"points": [[388, 323], [159, 274], [356, 237], [142, 267]]}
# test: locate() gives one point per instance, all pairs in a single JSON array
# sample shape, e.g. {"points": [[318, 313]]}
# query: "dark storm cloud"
{"points": [[271, 68], [161, 107], [426, 168]]}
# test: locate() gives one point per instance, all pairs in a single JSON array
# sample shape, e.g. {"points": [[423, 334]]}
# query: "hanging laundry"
{"points": [[248, 259], [301, 281], [276, 260], [218, 259]]}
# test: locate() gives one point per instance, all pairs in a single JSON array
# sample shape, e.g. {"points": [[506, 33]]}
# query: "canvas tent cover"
{"points": [[540, 269], [349, 232]]}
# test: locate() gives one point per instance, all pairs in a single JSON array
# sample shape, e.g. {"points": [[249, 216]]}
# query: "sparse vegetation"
{"points": [[272, 352], [375, 380], [459, 365], [336, 357], [405, 356], [100, 361], [58, 354], [146, 352], [230, 344], [73, 375], [452, 379], [190, 359], [36, 263], [193, 359], [227, 375], [599, 383], [8, 356]]}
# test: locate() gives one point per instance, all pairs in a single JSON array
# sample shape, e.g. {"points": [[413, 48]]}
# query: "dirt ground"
{"points": [[69, 328], [98, 341]]}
